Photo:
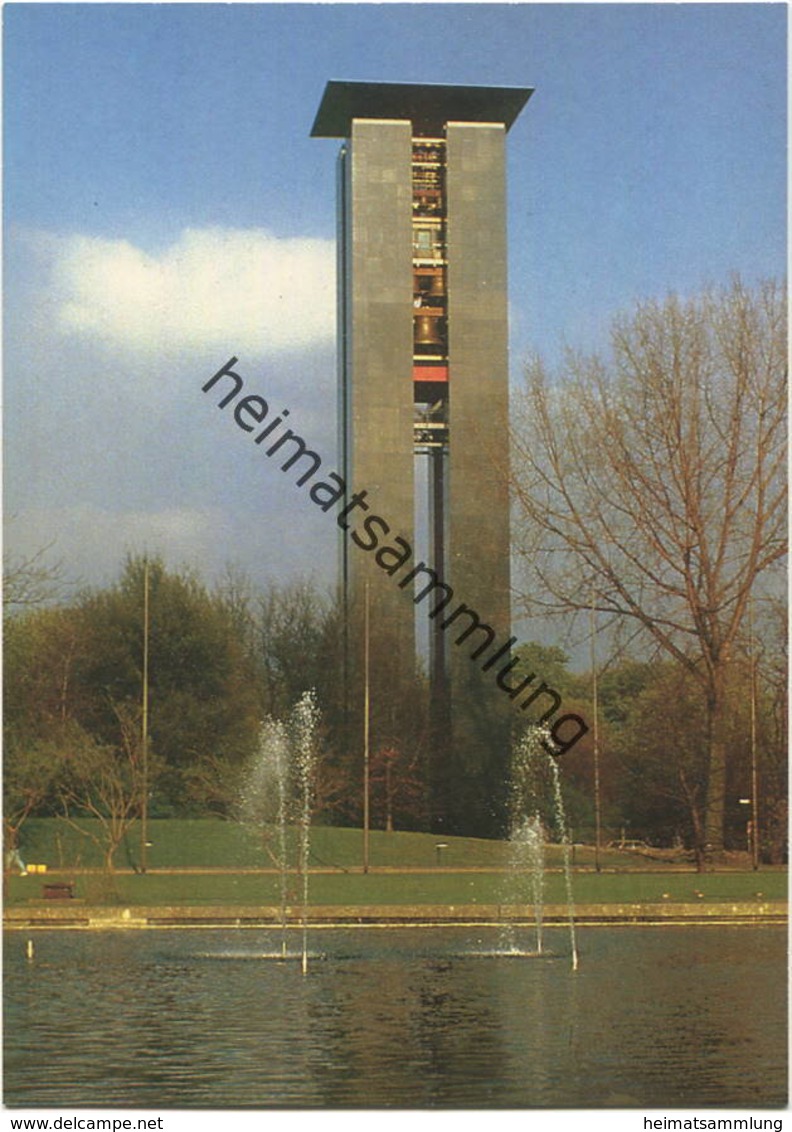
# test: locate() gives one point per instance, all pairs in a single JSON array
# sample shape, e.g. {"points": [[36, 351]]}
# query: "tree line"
{"points": [[650, 500], [223, 659]]}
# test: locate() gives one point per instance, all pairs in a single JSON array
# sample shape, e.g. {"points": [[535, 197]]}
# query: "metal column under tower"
{"points": [[440, 728]]}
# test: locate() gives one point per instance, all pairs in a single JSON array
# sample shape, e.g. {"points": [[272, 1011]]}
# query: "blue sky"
{"points": [[166, 208]]}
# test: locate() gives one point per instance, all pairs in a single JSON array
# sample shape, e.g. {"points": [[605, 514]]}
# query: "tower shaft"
{"points": [[423, 371]]}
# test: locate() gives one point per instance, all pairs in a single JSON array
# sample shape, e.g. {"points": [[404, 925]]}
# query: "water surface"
{"points": [[654, 1017]]}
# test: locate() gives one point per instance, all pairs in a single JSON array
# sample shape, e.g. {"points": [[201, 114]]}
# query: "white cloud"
{"points": [[232, 289]]}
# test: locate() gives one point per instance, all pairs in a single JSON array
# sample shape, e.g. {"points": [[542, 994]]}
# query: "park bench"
{"points": [[59, 891]]}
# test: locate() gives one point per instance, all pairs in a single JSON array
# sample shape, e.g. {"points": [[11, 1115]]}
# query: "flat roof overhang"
{"points": [[427, 105]]}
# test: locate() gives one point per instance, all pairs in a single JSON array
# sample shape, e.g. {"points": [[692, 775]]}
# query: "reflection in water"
{"points": [[668, 1017]]}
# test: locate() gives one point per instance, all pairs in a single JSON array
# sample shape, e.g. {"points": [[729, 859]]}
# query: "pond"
{"points": [[397, 1017]]}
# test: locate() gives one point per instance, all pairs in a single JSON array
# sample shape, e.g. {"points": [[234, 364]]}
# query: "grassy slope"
{"points": [[197, 844], [207, 843]]}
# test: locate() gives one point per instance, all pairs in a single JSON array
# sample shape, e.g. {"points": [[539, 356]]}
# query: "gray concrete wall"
{"points": [[478, 459], [478, 349], [379, 392]]}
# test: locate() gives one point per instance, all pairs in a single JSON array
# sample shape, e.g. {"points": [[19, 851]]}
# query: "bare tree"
{"points": [[30, 580], [398, 788], [106, 784], [655, 481]]}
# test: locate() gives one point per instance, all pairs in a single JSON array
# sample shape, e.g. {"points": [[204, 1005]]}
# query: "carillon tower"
{"points": [[423, 371]]}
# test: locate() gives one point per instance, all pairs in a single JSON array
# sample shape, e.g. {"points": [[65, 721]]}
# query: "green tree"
{"points": [[82, 664], [44, 653], [31, 770], [663, 779], [203, 700]]}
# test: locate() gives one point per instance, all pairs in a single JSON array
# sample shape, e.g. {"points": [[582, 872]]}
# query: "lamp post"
{"points": [[144, 724], [595, 718], [754, 771], [366, 731]]}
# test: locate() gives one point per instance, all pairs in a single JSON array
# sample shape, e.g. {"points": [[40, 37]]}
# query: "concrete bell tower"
{"points": [[423, 373]]}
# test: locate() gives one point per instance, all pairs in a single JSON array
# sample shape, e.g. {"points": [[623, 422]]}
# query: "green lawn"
{"points": [[207, 844], [442, 887], [210, 843]]}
